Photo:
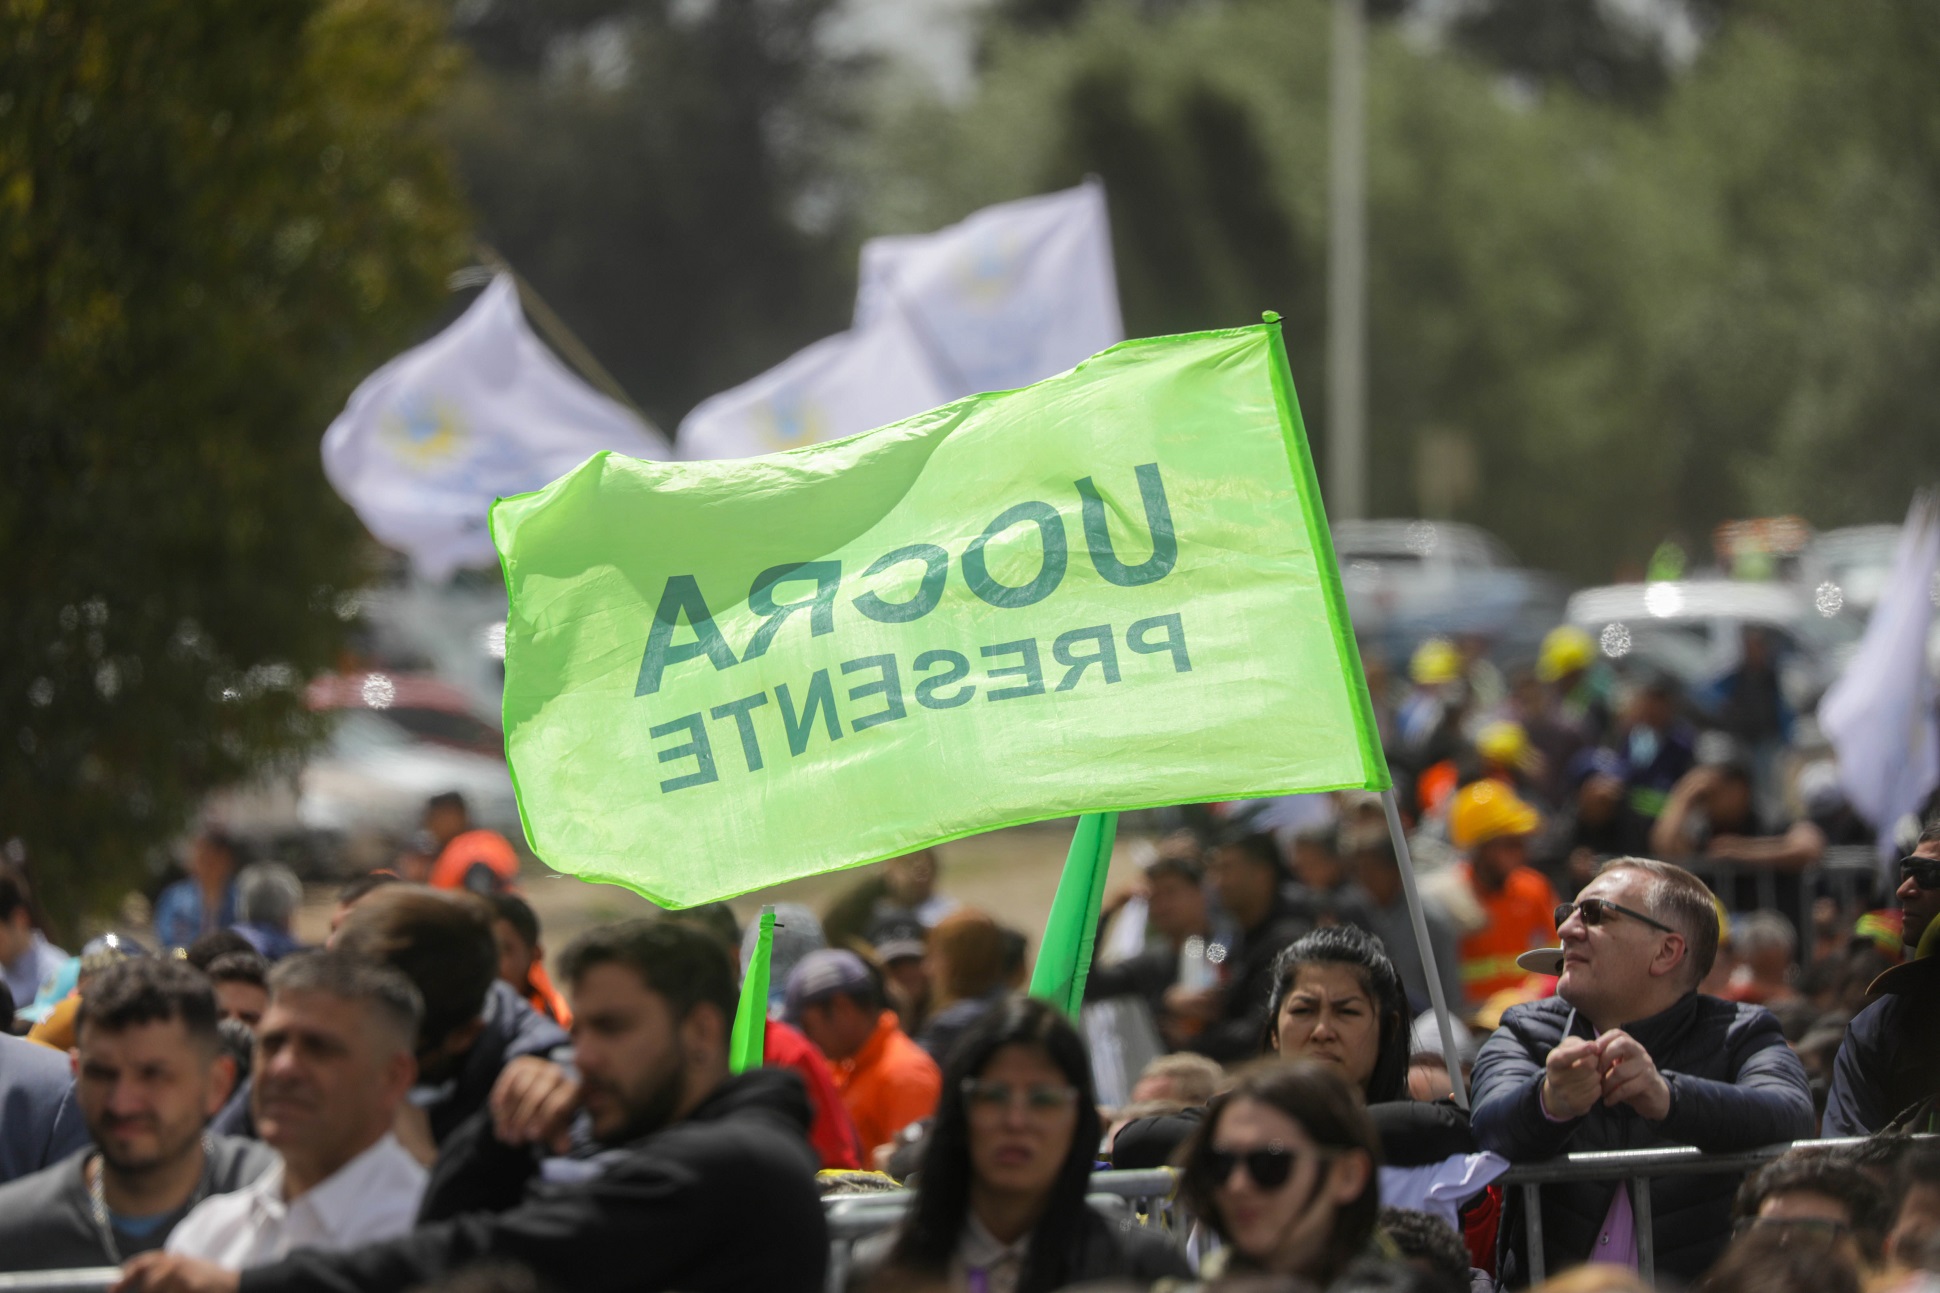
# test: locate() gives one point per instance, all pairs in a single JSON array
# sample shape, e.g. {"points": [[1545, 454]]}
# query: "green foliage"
{"points": [[661, 172], [1646, 311], [214, 219]]}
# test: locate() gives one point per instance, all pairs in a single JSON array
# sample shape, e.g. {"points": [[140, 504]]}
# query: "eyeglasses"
{"points": [[1593, 910], [1269, 1166], [1041, 1099], [1924, 872], [1812, 1229]]}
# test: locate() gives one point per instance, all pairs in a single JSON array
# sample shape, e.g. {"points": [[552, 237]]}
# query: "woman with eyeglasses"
{"points": [[1000, 1195], [1283, 1170]]}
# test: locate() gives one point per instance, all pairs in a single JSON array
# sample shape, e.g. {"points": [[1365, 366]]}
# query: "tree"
{"points": [[214, 219], [661, 172]]}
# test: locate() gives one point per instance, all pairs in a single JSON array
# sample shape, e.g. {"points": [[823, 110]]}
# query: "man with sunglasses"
{"points": [[1629, 1055], [1888, 1067]]}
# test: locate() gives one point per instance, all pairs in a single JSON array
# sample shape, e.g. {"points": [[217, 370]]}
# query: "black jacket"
{"points": [[1890, 1058], [1236, 1034], [1734, 1083], [722, 1200]]}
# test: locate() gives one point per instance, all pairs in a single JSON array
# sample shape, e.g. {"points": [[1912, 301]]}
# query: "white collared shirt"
{"points": [[374, 1196]]}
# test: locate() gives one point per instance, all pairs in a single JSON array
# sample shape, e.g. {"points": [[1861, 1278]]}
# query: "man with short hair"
{"points": [[149, 1072], [1389, 920], [333, 1064], [1628, 1055], [1176, 911], [704, 1183], [267, 897], [1816, 1192], [522, 957], [1888, 1066], [469, 857], [887, 1081], [27, 959], [1247, 876], [241, 984]]}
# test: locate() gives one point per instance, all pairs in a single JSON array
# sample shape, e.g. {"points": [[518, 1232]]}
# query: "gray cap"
{"points": [[821, 975]]}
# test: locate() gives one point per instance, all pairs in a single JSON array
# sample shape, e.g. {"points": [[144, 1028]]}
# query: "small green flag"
{"points": [[748, 1047], [1064, 955], [1112, 590]]}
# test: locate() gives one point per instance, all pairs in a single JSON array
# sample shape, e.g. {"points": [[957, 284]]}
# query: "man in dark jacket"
{"points": [[1247, 878], [476, 1028], [702, 1181], [1628, 1055], [1890, 1060]]}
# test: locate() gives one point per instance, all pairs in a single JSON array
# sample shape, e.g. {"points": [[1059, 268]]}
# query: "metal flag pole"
{"points": [[1450, 1055]]}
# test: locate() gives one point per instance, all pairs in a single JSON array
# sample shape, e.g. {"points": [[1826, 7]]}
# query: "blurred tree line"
{"points": [[214, 219], [1639, 268]]}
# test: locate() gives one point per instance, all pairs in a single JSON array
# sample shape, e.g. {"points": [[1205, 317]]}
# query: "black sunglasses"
{"points": [[1924, 872], [1269, 1167], [1593, 910]]}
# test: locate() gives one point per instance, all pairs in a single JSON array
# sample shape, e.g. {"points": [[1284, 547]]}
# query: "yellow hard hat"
{"points": [[1489, 810], [1505, 743], [1565, 650], [1436, 661]]}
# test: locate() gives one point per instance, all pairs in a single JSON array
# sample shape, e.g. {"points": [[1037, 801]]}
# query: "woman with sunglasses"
{"points": [[1283, 1170], [1000, 1196]]}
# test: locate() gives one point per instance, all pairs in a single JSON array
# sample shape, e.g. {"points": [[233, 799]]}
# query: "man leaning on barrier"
{"points": [[698, 1181], [1628, 1055]]}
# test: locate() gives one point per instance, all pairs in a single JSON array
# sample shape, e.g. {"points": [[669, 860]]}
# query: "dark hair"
{"points": [[1257, 847], [673, 958], [1822, 1171], [445, 799], [1763, 1262], [364, 885], [213, 946], [1362, 953], [239, 967], [226, 844], [440, 939], [933, 1226], [1426, 1238], [1918, 1165], [1682, 901], [1015, 946], [516, 912], [15, 894], [150, 990], [1317, 1097], [379, 988], [1928, 833], [1190, 870]]}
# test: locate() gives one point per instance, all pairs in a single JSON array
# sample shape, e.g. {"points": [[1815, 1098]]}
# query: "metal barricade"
{"points": [[1132, 1198], [1638, 1167], [86, 1279], [1850, 873]]}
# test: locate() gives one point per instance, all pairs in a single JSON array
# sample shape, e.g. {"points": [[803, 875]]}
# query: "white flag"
{"points": [[481, 411], [853, 381], [1879, 715], [1014, 294]]}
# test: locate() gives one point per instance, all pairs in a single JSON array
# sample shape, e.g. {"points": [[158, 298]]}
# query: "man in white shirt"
{"points": [[334, 1062]]}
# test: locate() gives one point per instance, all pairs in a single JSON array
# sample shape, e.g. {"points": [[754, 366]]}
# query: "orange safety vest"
{"points": [[476, 848]]}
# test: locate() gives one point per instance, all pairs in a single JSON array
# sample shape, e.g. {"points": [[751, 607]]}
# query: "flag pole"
{"points": [[747, 1044], [562, 337], [1450, 1054], [1071, 929]]}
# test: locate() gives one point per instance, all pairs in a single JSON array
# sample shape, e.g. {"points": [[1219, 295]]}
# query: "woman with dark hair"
{"points": [[1283, 1170], [1337, 1000], [1000, 1197]]}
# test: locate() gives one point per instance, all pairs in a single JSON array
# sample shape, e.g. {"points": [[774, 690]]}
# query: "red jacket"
{"points": [[830, 1132]]}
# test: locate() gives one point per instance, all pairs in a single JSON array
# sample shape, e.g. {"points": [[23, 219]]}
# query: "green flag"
{"points": [[748, 1047], [1064, 956], [1111, 590]]}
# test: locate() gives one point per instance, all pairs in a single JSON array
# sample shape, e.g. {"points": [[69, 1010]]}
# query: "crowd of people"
{"points": [[211, 1106]]}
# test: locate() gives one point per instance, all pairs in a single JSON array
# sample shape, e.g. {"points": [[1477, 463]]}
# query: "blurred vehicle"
{"points": [[1856, 561], [395, 740], [1693, 631], [1406, 581]]}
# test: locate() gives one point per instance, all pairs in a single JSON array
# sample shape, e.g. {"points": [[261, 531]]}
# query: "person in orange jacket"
{"points": [[522, 958], [468, 857], [887, 1081], [1492, 825]]}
